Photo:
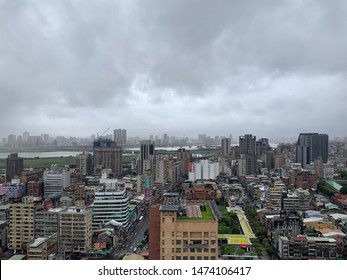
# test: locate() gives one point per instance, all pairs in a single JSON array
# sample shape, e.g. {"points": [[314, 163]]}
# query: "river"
{"points": [[74, 153], [127, 151]]}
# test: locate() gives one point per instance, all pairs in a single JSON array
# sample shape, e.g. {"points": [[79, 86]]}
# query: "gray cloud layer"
{"points": [[270, 68]]}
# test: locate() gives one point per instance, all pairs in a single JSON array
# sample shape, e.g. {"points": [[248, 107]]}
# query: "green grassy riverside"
{"points": [[47, 162]]}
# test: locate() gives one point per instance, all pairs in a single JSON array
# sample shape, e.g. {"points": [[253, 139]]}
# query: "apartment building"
{"points": [[75, 230], [43, 248], [47, 222], [304, 247], [186, 232], [21, 225], [111, 205]]}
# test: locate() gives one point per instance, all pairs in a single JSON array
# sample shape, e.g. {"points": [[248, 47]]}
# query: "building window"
{"points": [[192, 258], [173, 234], [163, 233], [178, 250], [178, 242], [185, 258], [178, 258]]}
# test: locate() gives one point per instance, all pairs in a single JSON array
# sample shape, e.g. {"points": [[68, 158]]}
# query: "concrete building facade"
{"points": [[75, 230], [111, 205], [21, 225], [14, 166], [107, 155]]}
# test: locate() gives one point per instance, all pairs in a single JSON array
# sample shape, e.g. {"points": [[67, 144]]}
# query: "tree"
{"points": [[240, 252], [223, 229], [227, 249], [343, 190], [343, 174]]}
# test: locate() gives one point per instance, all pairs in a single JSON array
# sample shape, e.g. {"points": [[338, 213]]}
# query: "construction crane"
{"points": [[99, 136]]}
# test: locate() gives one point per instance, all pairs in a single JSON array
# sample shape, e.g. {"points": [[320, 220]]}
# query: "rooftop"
{"points": [[320, 239], [333, 184], [38, 242], [169, 208], [235, 239], [246, 228], [206, 214]]}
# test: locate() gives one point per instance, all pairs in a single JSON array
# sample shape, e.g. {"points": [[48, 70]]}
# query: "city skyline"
{"points": [[77, 67], [27, 138]]}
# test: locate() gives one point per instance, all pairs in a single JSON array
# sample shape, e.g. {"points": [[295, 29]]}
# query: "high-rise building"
{"points": [[21, 225], [120, 136], [26, 135], [47, 222], [246, 165], [84, 163], [55, 180], [75, 227], [204, 169], [107, 155], [161, 175], [147, 152], [14, 166], [311, 146], [111, 205], [247, 144], [247, 162], [262, 147], [225, 146], [11, 140], [186, 157], [161, 171], [184, 232]]}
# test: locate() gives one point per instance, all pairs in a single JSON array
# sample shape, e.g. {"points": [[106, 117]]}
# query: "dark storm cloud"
{"points": [[269, 67]]}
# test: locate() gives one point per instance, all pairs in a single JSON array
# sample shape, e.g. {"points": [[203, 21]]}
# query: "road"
{"points": [[133, 238]]}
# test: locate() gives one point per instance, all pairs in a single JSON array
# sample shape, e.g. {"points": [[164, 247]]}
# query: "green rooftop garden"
{"points": [[206, 214]]}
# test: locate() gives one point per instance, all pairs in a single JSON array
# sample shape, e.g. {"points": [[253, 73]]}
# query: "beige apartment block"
{"points": [[189, 237], [41, 248], [21, 225], [75, 230]]}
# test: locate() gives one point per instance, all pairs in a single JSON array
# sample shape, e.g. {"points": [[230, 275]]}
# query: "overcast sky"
{"points": [[270, 68]]}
